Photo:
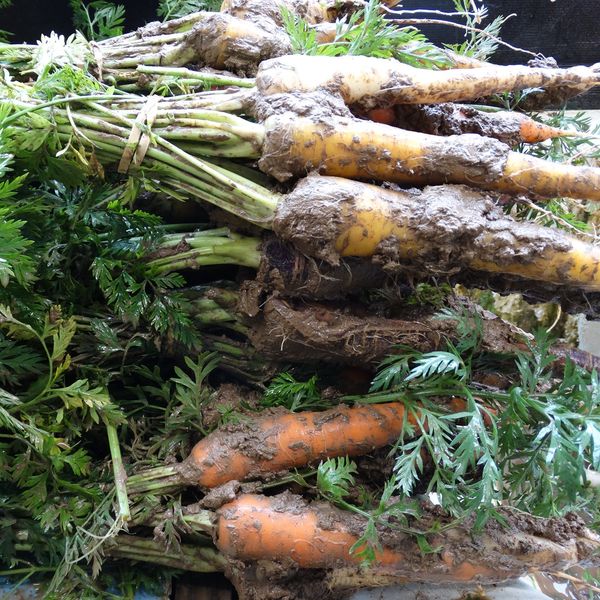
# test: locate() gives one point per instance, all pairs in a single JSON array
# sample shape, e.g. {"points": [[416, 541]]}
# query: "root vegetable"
{"points": [[442, 230], [364, 150], [439, 229], [455, 119], [286, 530], [319, 536], [314, 333], [372, 82], [277, 442]]}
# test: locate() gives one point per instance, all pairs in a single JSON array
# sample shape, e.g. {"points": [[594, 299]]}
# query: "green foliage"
{"points": [[481, 42], [98, 20], [365, 32], [285, 390], [174, 9], [335, 476]]}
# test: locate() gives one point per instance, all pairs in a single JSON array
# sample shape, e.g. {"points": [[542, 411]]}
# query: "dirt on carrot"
{"points": [[226, 42], [499, 552], [319, 105], [455, 119], [452, 221], [291, 273], [476, 158], [311, 333]]}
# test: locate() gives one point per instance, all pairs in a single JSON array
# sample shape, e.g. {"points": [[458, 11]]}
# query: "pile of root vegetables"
{"points": [[230, 339]]}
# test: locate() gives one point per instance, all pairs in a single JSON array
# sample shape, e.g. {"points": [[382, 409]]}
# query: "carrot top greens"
{"points": [[160, 295]]}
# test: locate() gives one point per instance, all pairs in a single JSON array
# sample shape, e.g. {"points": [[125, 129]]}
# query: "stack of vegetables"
{"points": [[229, 337]]}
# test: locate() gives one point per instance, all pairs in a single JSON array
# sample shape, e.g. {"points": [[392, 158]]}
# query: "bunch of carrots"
{"points": [[335, 176]]}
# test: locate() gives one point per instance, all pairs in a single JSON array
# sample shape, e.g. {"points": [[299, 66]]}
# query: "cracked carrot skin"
{"points": [[279, 442], [438, 230], [374, 82], [358, 149]]}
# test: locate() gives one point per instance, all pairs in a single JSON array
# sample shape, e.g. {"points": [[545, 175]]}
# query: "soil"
{"points": [[450, 226], [257, 11], [320, 332], [556, 97], [291, 273], [318, 105], [214, 45], [455, 119], [228, 397]]}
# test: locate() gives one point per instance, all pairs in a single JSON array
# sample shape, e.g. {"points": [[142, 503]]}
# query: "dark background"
{"points": [[568, 30]]}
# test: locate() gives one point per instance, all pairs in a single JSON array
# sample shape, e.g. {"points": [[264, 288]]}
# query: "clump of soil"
{"points": [[456, 119], [292, 273]]}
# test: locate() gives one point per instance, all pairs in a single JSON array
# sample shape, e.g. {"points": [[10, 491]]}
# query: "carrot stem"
{"points": [[120, 477]]}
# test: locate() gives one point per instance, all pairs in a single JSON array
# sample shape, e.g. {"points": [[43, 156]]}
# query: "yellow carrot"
{"points": [[380, 82], [441, 229], [359, 149]]}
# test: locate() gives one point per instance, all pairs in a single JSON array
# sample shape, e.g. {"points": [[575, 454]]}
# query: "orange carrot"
{"points": [[532, 131], [279, 441], [386, 116], [284, 441], [455, 119], [319, 536]]}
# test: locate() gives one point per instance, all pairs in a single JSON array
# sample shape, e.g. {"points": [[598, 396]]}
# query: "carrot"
{"points": [[275, 442], [287, 530], [386, 116], [531, 131], [440, 229], [373, 82], [358, 149], [455, 119], [319, 536], [353, 219]]}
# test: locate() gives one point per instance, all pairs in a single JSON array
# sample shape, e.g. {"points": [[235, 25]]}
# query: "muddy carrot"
{"points": [[289, 530], [319, 536], [455, 119], [357, 149], [277, 442], [373, 82], [437, 230]]}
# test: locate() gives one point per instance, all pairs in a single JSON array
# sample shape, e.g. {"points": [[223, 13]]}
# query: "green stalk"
{"points": [[119, 474], [201, 78], [211, 251], [214, 133], [198, 559]]}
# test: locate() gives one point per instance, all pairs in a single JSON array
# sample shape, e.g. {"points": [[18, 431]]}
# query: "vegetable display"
{"points": [[252, 263]]}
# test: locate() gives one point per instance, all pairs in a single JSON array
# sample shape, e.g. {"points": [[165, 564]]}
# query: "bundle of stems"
{"points": [[316, 217]]}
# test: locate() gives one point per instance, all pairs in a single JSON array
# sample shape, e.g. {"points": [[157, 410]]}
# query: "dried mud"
{"points": [[289, 151], [553, 97], [318, 105], [316, 332], [456, 119], [213, 43], [287, 271], [449, 226], [311, 333], [257, 11]]}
